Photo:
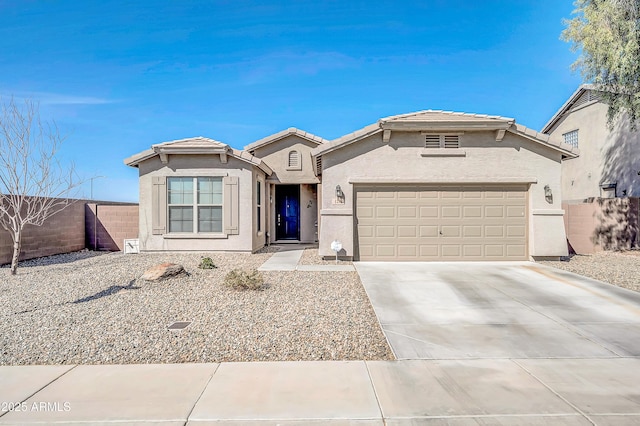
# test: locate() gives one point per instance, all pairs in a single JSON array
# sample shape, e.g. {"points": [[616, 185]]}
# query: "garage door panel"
{"points": [[494, 250], [516, 250], [385, 250], [472, 231], [472, 211], [494, 211], [429, 231], [472, 251], [494, 231], [451, 250], [429, 212], [366, 231], [407, 212], [450, 231], [385, 212], [442, 223], [410, 231], [515, 211], [364, 212], [385, 231], [408, 251], [451, 212]]}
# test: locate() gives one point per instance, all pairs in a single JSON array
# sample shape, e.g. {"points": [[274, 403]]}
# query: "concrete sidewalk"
{"points": [[411, 392], [287, 260]]}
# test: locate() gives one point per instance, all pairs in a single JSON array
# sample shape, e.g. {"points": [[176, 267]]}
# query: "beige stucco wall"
{"points": [[606, 155], [200, 165], [515, 159], [276, 156], [308, 213]]}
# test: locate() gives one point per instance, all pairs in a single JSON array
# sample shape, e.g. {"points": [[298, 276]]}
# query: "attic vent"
{"points": [[294, 162], [319, 165], [451, 141], [432, 141], [587, 96], [442, 141]]}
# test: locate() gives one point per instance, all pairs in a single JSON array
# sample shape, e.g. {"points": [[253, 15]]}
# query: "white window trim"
{"points": [[195, 233]]}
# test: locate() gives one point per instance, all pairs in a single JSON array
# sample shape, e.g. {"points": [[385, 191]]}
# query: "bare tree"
{"points": [[34, 185]]}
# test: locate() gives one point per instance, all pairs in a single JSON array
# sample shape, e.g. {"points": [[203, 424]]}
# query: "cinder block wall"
{"points": [[61, 233], [114, 222], [602, 224]]}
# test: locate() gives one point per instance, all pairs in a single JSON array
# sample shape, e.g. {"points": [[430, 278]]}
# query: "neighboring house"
{"points": [[609, 161], [430, 185]]}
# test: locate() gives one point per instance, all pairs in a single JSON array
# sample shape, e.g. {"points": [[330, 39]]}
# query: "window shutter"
{"points": [[231, 213], [159, 205]]}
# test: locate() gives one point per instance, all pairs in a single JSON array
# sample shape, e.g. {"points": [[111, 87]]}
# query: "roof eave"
{"points": [[283, 134], [565, 107], [445, 125]]}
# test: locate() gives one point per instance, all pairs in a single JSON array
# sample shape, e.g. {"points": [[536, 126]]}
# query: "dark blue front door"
{"points": [[287, 212]]}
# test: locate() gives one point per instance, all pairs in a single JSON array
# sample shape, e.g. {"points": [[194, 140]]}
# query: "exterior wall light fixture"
{"points": [[339, 195], [548, 195]]}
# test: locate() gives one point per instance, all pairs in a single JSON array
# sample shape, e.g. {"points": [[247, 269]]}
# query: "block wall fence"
{"points": [[74, 228], [602, 224]]}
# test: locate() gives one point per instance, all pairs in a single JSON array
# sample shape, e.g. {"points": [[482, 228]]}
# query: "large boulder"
{"points": [[163, 272]]}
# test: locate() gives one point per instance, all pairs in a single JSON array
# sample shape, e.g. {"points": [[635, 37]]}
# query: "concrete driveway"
{"points": [[499, 310]]}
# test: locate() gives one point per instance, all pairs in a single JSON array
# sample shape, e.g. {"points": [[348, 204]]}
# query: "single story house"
{"points": [[430, 185]]}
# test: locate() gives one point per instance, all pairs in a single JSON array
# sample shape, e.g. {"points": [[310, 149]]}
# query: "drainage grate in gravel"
{"points": [[180, 325]]}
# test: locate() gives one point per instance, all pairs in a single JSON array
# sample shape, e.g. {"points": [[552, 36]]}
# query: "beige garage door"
{"points": [[441, 222]]}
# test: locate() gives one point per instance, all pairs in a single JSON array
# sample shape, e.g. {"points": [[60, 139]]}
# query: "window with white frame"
{"points": [[442, 141], [571, 138], [194, 204]]}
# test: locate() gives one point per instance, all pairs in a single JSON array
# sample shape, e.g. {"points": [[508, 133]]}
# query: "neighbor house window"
{"points": [[442, 141], [294, 161], [195, 203], [259, 205], [571, 138]]}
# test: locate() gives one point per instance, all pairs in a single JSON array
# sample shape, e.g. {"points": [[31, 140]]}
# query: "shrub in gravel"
{"points": [[207, 263], [243, 280]]}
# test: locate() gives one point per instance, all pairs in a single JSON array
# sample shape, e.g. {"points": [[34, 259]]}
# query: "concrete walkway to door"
{"points": [[500, 310]]}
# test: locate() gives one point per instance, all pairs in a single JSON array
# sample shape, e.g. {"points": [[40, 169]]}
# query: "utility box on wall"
{"points": [[131, 246]]}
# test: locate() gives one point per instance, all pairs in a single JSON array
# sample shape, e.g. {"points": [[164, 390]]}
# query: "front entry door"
{"points": [[287, 212]]}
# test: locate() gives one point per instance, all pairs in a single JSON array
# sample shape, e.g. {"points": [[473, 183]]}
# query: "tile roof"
{"points": [[283, 134], [443, 116]]}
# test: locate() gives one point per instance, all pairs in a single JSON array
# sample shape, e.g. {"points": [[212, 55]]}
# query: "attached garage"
{"points": [[442, 186], [444, 222]]}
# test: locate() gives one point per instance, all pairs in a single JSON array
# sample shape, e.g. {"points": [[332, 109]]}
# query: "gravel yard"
{"points": [[85, 308], [618, 268], [310, 257]]}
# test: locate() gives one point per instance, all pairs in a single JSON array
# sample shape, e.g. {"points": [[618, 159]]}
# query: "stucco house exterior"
{"points": [[430, 185], [609, 161]]}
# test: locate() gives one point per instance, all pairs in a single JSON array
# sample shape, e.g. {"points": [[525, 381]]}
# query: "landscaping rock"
{"points": [[164, 271]]}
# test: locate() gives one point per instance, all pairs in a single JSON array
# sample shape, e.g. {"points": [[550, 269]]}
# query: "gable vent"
{"points": [[319, 165], [432, 141], [451, 141], [294, 160], [442, 141]]}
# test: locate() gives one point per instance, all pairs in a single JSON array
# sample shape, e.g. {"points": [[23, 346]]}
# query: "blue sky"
{"points": [[119, 76]]}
